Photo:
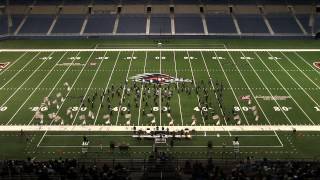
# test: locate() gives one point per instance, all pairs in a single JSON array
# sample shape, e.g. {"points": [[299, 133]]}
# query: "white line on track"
{"points": [[55, 86], [100, 128], [142, 88], [160, 107], [99, 146], [107, 86], [304, 60], [86, 93], [295, 81], [301, 71], [157, 49], [245, 81], [67, 95], [213, 87], [266, 87], [8, 99], [11, 64], [284, 88], [195, 85], [234, 94], [30, 95], [175, 67], [20, 70], [124, 87]]}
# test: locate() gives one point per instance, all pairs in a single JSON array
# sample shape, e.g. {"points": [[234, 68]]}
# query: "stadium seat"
{"points": [[188, 23], [283, 23], [220, 23], [100, 23], [160, 24], [132, 23], [68, 23], [251, 23], [37, 24]]}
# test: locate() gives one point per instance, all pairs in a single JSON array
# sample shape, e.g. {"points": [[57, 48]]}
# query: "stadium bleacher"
{"points": [[251, 23], [188, 23], [37, 24], [216, 18], [100, 23], [283, 23], [132, 23], [68, 23], [220, 23], [3, 24]]}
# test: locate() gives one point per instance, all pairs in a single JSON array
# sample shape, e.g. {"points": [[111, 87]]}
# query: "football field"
{"points": [[259, 95]]}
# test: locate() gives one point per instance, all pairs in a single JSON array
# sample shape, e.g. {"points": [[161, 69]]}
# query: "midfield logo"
{"points": [[4, 65], [158, 78], [317, 64]]}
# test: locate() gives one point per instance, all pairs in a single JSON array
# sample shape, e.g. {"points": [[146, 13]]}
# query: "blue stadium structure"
{"points": [[211, 18]]}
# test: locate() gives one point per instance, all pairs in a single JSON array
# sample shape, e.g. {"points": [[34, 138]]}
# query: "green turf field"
{"points": [[283, 85]]}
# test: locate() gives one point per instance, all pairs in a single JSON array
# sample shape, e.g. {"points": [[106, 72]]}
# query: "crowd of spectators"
{"points": [[254, 169], [60, 169], [194, 170]]}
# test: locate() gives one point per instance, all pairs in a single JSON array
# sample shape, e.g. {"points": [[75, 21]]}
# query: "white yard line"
{"points": [[20, 70], [284, 88], [245, 81], [8, 99], [294, 80], [86, 93], [142, 88], [175, 67], [66, 96], [157, 49], [160, 108], [11, 64], [213, 87], [124, 88], [301, 70], [99, 128], [130, 135], [266, 87], [55, 86], [195, 85], [39, 84], [99, 146], [234, 94], [107, 86], [304, 60]]}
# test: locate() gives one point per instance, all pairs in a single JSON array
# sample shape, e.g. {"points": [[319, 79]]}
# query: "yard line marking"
{"points": [[20, 70], [195, 85], [142, 88], [300, 70], [85, 95], [114, 65], [266, 88], [295, 81], [11, 64], [99, 128], [124, 87], [39, 84], [284, 88], [66, 97], [213, 87], [245, 81], [98, 146], [128, 135], [23, 83], [234, 94], [160, 108], [54, 88], [175, 67], [157, 49], [304, 60]]}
